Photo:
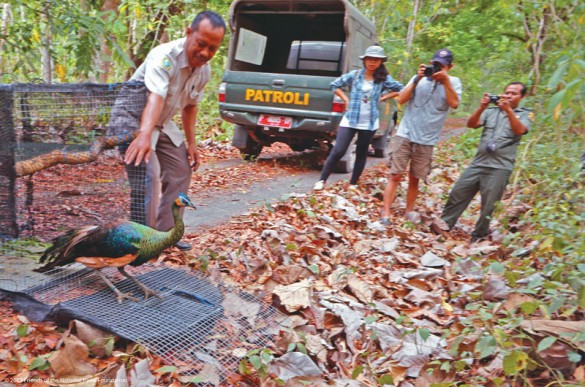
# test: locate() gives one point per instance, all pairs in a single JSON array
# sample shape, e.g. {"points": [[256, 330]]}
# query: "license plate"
{"points": [[275, 121]]}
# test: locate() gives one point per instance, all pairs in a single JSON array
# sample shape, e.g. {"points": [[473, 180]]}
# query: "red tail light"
{"points": [[221, 93], [338, 105]]}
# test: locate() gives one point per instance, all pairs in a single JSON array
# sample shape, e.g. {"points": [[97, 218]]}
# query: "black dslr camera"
{"points": [[430, 70], [494, 99]]}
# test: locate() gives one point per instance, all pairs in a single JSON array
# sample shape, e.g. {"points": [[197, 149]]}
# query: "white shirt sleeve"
{"points": [[158, 73]]}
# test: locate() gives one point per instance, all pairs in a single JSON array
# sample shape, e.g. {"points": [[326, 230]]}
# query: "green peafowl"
{"points": [[116, 244]]}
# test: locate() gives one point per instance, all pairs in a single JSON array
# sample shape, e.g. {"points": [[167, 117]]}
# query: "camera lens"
{"points": [[494, 99], [429, 71]]}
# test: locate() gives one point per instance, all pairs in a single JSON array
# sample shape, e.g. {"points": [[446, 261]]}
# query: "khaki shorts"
{"points": [[405, 151]]}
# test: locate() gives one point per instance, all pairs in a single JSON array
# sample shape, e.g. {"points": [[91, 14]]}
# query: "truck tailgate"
{"points": [[288, 94]]}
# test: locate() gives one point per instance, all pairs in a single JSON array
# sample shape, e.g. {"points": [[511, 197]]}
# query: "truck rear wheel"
{"points": [[381, 144], [302, 144], [251, 150]]}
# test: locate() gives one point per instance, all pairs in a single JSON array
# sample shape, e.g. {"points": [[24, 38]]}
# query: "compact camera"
{"points": [[494, 99], [430, 70]]}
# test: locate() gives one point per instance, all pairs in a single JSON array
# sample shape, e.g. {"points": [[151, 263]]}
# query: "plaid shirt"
{"points": [[355, 78]]}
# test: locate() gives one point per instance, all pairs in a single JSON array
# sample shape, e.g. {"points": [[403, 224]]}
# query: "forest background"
{"points": [[538, 42], [495, 42]]}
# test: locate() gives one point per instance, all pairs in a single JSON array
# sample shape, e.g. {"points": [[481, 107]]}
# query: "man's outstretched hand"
{"points": [[138, 150]]}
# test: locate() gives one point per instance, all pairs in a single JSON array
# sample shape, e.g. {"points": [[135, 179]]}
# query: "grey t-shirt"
{"points": [[426, 111], [496, 128]]}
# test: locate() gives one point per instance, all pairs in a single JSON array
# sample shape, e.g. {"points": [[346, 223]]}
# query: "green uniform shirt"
{"points": [[496, 129]]}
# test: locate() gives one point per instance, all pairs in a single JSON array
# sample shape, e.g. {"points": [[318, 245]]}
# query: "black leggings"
{"points": [[342, 141]]}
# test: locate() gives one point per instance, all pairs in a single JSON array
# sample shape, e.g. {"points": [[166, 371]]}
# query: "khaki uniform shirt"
{"points": [[496, 129], [166, 72]]}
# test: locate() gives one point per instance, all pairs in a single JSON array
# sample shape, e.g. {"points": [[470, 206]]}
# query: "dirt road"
{"points": [[229, 187]]}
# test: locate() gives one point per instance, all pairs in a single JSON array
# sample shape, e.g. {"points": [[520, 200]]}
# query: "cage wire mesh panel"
{"points": [[201, 328], [7, 176], [58, 167]]}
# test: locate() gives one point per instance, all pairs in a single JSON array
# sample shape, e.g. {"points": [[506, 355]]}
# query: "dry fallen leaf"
{"points": [[495, 289], [140, 374], [360, 289], [294, 296], [515, 300], [293, 364], [94, 338], [72, 361], [563, 329]]}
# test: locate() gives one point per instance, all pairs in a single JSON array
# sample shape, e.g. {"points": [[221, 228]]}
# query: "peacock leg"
{"points": [[119, 295], [147, 291]]}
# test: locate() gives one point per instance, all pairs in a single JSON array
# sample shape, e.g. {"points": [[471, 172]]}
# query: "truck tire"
{"points": [[381, 145], [345, 165], [301, 145], [249, 148]]}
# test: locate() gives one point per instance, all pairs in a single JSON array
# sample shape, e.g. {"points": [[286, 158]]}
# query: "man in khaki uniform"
{"points": [[504, 125], [175, 74]]}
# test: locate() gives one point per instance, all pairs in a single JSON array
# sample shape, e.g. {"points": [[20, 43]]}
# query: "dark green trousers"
{"points": [[489, 182]]}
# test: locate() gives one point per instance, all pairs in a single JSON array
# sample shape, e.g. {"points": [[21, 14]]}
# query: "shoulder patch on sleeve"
{"points": [[166, 64]]}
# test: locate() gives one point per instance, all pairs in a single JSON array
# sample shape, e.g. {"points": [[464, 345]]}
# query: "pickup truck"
{"points": [[282, 56]]}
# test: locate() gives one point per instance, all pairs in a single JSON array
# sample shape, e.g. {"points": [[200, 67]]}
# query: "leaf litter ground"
{"points": [[369, 303]]}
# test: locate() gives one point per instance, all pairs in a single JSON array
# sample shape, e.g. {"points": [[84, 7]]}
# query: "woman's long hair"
{"points": [[380, 73]]}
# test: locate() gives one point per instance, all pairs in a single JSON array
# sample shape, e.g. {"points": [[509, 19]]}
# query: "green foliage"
{"points": [[491, 44], [357, 371], [569, 80], [22, 330], [40, 363], [72, 32], [167, 370], [386, 379], [549, 179], [259, 360]]}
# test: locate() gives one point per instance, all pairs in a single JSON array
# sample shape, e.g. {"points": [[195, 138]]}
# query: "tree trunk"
{"points": [[46, 42], [158, 35], [537, 34], [410, 35], [104, 59], [6, 15]]}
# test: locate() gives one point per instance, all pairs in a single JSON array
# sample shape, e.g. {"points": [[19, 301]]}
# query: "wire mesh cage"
{"points": [[60, 159], [203, 328]]}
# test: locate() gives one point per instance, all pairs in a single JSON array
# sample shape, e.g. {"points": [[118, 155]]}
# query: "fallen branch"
{"points": [[39, 163]]}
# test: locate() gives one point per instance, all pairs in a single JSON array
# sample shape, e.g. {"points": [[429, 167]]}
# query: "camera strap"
{"points": [[434, 87]]}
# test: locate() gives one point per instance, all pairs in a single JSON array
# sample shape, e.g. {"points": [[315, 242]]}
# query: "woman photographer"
{"points": [[361, 116]]}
